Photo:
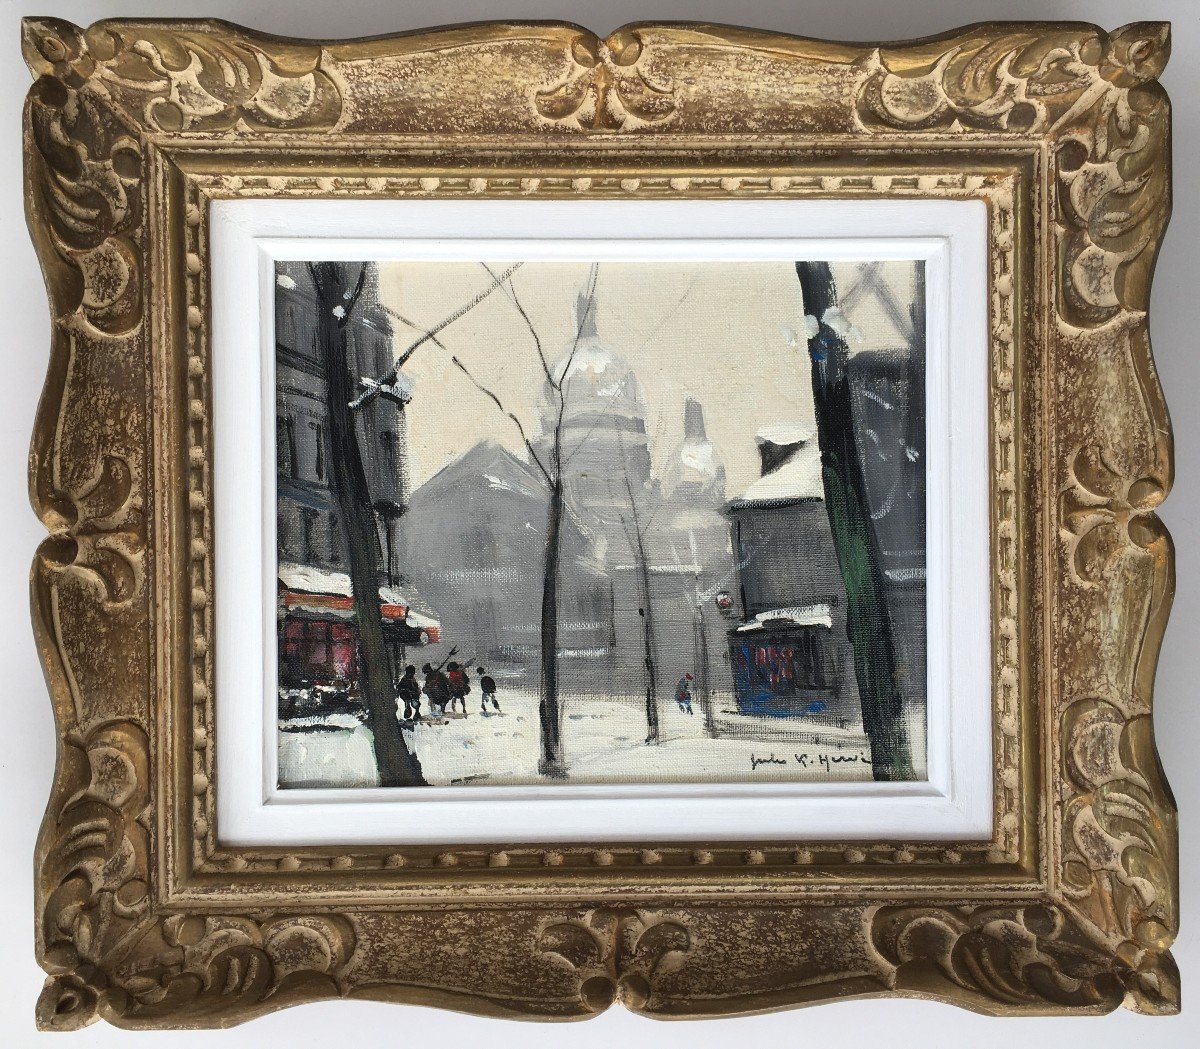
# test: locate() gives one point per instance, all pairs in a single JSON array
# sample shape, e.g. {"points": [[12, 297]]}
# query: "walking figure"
{"points": [[488, 685], [459, 686], [683, 693], [410, 691], [437, 689]]}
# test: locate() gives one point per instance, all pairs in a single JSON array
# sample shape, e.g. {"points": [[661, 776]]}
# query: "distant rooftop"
{"points": [[792, 472]]}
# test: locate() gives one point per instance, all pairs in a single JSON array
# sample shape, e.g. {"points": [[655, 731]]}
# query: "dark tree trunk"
{"points": [[398, 767], [637, 547], [703, 687], [915, 430], [867, 621], [549, 712], [647, 615]]}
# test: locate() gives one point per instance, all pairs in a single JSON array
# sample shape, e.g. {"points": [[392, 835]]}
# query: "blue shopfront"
{"points": [[783, 667]]}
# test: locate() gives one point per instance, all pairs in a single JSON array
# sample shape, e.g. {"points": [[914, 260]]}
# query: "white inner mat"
{"points": [[954, 803]]}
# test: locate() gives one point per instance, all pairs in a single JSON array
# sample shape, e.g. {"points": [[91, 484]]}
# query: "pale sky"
{"points": [[719, 331]]}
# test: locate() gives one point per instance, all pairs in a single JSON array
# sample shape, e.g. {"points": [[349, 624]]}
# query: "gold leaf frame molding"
{"points": [[146, 919]]}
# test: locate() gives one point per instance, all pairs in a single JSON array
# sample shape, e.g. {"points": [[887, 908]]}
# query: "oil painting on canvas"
{"points": [[614, 522]]}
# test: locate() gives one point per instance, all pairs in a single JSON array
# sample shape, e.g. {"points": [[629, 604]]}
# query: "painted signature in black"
{"points": [[809, 760]]}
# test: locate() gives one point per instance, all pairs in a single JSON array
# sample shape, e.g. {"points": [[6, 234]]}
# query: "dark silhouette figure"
{"points": [[488, 686], [437, 688], [410, 692]]}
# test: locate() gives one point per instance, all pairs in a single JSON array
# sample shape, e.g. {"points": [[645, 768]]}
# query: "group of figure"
{"points": [[445, 688]]}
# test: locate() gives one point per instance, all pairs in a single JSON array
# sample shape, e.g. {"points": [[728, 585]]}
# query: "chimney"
{"points": [[777, 445], [585, 308], [693, 420]]}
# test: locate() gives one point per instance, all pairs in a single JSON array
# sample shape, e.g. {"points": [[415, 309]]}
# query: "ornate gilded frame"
{"points": [[147, 920]]}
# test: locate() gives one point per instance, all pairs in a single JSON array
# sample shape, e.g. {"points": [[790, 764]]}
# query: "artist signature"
{"points": [[808, 760]]}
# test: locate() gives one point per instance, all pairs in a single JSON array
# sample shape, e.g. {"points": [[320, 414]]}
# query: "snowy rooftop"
{"points": [[783, 434], [797, 478], [307, 579], [498, 468], [699, 456], [588, 358]]}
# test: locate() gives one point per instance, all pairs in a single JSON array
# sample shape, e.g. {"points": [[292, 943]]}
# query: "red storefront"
{"points": [[318, 636]]}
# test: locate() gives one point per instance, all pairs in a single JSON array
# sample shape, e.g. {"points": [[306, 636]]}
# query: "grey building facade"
{"points": [[789, 652], [476, 538], [661, 539], [316, 632], [641, 557], [308, 531]]}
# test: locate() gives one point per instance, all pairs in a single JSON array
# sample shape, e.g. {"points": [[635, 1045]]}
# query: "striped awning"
{"points": [[320, 593]]}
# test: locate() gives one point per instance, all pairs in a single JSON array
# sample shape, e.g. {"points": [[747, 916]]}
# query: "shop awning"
{"points": [[797, 615], [320, 593]]}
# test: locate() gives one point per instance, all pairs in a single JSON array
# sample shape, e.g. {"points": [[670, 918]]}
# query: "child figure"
{"points": [[683, 693], [488, 686]]}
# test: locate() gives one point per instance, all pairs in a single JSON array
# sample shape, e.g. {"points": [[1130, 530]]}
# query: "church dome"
{"points": [[596, 373], [595, 378]]}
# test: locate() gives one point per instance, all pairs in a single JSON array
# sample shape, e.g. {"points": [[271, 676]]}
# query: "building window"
{"points": [[283, 534], [320, 448], [335, 540], [285, 445], [308, 522], [317, 652], [387, 452], [286, 333]]}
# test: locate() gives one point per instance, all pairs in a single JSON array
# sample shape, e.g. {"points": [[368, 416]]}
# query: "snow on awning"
{"points": [[319, 591], [686, 570], [797, 615], [904, 575], [311, 580], [420, 622]]}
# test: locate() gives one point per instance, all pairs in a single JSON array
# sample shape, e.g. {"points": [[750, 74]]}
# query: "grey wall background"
{"points": [[26, 731]]}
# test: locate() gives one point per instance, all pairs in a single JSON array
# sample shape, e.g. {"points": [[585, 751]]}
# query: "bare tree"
{"points": [[338, 293], [374, 387], [551, 469], [635, 530], [635, 523], [700, 644], [697, 601]]}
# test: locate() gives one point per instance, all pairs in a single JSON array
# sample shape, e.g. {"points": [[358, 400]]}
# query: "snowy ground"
{"points": [[604, 740]]}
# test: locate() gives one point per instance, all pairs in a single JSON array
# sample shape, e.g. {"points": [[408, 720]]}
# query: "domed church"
{"points": [[605, 448], [662, 547]]}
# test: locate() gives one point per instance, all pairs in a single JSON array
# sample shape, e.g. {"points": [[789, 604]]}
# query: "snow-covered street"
{"points": [[604, 741]]}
